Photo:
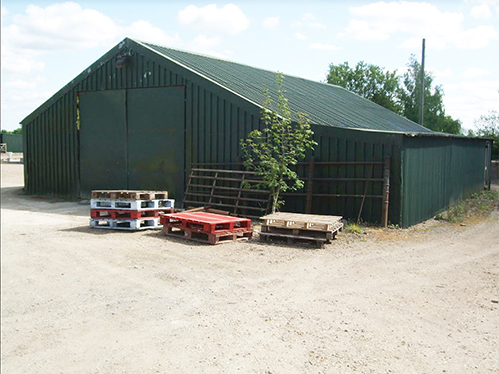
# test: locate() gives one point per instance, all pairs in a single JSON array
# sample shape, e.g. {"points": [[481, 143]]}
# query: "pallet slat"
{"points": [[303, 221], [208, 238]]}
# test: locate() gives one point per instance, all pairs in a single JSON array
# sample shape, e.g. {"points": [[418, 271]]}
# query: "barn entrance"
{"points": [[132, 139]]}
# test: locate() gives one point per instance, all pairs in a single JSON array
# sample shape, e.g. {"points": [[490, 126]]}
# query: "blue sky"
{"points": [[45, 44]]}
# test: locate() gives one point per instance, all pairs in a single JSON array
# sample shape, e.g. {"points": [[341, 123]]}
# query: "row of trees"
{"points": [[400, 94], [487, 125], [16, 131]]}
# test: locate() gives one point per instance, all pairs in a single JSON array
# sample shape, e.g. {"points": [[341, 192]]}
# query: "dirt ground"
{"points": [[81, 300]]}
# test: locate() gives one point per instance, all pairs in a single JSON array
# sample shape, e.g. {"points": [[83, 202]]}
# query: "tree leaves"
{"points": [[488, 127], [400, 94], [280, 144]]}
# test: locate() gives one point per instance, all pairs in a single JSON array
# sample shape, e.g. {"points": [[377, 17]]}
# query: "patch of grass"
{"points": [[353, 228], [480, 205]]}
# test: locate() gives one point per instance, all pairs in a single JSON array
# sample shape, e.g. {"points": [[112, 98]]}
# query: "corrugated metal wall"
{"points": [[437, 172], [14, 142], [340, 145]]}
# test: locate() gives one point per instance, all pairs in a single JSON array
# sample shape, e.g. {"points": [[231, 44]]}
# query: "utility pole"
{"points": [[421, 94]]}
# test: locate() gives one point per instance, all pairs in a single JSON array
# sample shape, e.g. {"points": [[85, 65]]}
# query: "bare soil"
{"points": [[81, 300]]}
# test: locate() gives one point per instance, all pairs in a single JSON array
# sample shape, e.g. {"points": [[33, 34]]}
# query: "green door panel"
{"points": [[156, 139], [132, 139], [103, 161]]}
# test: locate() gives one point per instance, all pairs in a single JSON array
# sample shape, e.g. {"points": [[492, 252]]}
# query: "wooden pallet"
{"points": [[303, 233], [303, 221], [208, 223], [129, 195], [292, 239], [128, 214], [228, 190], [214, 238]]}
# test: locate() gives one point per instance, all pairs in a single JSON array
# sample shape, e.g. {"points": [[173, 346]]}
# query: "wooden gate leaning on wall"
{"points": [[225, 185]]}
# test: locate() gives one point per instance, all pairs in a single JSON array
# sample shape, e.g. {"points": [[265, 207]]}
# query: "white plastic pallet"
{"points": [[126, 224], [131, 204]]}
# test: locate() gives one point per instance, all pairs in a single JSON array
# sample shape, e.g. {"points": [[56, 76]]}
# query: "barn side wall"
{"points": [[346, 145], [437, 172], [14, 142]]}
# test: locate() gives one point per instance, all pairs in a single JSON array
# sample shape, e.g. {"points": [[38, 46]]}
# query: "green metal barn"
{"points": [[14, 142], [142, 115]]}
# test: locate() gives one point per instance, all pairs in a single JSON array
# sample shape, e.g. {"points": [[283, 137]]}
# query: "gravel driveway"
{"points": [[77, 300]]}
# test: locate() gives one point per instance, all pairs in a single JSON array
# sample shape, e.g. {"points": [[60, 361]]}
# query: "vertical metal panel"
{"points": [[103, 158], [437, 172], [14, 142], [155, 126]]}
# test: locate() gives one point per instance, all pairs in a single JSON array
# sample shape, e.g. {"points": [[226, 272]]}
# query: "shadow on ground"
{"points": [[15, 199]]}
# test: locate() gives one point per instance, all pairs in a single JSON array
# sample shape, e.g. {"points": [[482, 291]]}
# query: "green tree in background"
{"points": [[16, 131], [434, 116], [487, 126], [400, 94], [368, 81], [278, 146]]}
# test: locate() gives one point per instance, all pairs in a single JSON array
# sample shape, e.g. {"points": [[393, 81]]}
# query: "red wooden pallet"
{"points": [[213, 238], [127, 214], [204, 222]]}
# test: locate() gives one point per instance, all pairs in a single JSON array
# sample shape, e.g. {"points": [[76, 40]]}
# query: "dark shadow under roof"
{"points": [[326, 104]]}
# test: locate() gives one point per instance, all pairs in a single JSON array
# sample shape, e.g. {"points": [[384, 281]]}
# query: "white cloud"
{"points": [[481, 11], [300, 36], [438, 74], [271, 22], [309, 20], [206, 45], [143, 30], [381, 20], [202, 41], [323, 47], [65, 26], [229, 19], [318, 25], [23, 84], [20, 61], [475, 72], [309, 17], [4, 11], [476, 38], [61, 26], [467, 100]]}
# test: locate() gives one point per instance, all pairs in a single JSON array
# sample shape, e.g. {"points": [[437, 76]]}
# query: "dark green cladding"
{"points": [[437, 172], [14, 142], [222, 105]]}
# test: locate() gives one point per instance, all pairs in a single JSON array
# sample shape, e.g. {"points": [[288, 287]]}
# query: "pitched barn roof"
{"points": [[326, 104]]}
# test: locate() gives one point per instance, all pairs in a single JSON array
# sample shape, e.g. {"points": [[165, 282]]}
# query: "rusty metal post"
{"points": [[365, 193], [310, 185], [386, 191]]}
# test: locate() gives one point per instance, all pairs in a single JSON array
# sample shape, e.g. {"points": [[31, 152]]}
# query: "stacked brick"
{"points": [[206, 227], [128, 210]]}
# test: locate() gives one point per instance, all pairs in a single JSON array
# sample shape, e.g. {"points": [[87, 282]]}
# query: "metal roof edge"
{"points": [[443, 135]]}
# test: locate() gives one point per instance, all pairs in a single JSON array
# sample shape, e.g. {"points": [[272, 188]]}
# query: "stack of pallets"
{"points": [[206, 227], [295, 228], [128, 210]]}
